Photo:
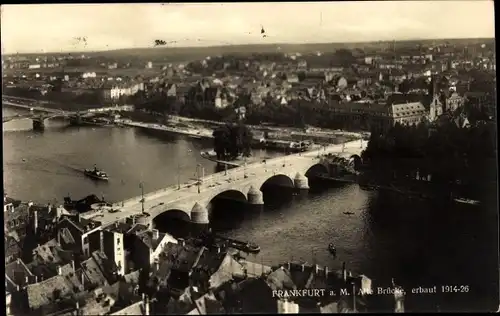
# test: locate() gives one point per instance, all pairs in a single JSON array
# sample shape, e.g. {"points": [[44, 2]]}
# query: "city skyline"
{"points": [[61, 28]]}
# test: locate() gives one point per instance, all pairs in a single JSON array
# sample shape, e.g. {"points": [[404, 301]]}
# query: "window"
{"points": [[118, 241]]}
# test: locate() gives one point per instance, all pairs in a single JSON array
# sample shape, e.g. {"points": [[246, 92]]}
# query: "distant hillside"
{"points": [[189, 53]]}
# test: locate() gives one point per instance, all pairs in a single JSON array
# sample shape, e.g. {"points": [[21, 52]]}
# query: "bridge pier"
{"points": [[255, 199], [199, 220], [301, 184]]}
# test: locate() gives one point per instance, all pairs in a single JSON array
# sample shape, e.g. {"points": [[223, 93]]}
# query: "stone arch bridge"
{"points": [[243, 183]]}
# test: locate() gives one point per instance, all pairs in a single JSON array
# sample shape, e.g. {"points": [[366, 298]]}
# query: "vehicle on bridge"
{"points": [[96, 174]]}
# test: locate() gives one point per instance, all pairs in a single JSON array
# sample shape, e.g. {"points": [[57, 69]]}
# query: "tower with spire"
{"points": [[436, 107]]}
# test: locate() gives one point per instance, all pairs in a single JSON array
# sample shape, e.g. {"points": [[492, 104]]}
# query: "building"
{"points": [[8, 206], [435, 108], [86, 75], [148, 245], [454, 101], [74, 232], [112, 245], [409, 113]]}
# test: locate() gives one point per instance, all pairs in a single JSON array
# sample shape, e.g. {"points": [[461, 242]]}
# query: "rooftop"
{"points": [[82, 224], [17, 272], [47, 291], [99, 270]]}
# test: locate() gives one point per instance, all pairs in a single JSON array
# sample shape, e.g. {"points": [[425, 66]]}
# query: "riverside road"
{"points": [[387, 236]]}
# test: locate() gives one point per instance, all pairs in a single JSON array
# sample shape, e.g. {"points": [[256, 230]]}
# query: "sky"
{"points": [[57, 27]]}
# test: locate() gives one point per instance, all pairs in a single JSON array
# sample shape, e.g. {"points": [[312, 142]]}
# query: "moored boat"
{"points": [[466, 201], [332, 249], [252, 248]]}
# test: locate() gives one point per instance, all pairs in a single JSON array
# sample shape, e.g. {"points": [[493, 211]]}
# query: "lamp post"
{"points": [[141, 185], [354, 297], [178, 175], [245, 167], [284, 156]]}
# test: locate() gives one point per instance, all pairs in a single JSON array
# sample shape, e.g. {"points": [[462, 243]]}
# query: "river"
{"points": [[419, 243]]}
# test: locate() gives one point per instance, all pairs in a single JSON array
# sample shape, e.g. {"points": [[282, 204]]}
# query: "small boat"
{"points": [[332, 249], [96, 174], [252, 248], [348, 213], [466, 201]]}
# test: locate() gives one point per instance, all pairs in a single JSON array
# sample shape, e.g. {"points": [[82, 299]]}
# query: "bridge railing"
{"points": [[219, 176]]}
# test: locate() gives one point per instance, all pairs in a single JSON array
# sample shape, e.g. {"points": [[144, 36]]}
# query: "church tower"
{"points": [[436, 107]]}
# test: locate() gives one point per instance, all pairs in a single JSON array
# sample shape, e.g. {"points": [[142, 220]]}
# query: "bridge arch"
{"points": [[174, 221], [280, 179], [316, 169], [226, 209], [355, 161]]}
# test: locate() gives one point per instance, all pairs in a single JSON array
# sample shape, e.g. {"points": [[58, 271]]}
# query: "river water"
{"points": [[419, 243]]}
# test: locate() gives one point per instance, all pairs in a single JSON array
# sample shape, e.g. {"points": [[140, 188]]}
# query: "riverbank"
{"points": [[202, 126]]}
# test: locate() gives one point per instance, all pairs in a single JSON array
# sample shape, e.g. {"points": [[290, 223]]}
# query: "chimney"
{"points": [[156, 234], [73, 265], [344, 272], [326, 271], [218, 249], [316, 268], [302, 267], [59, 270], [27, 280], [35, 220], [288, 266], [36, 279], [77, 306], [146, 306], [83, 279]]}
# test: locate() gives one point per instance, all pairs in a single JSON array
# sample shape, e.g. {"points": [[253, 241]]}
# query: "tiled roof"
{"points": [[20, 213], [43, 271], [133, 309], [83, 224], [162, 271], [93, 272], [17, 272], [182, 256], [48, 253], [280, 279], [148, 239], [96, 304], [208, 304], [11, 247], [208, 264], [132, 277], [43, 293]]}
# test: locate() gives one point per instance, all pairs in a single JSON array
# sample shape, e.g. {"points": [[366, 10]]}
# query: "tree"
{"points": [[232, 140]]}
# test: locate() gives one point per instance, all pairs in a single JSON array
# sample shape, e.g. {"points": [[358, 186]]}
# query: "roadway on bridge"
{"points": [[188, 191]]}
